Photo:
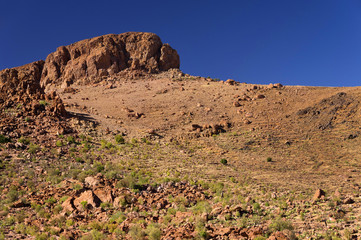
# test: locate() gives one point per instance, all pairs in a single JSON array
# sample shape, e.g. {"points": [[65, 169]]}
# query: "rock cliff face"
{"points": [[21, 81], [108, 55]]}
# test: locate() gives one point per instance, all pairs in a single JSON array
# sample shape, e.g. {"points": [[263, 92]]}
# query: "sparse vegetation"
{"points": [[194, 164]]}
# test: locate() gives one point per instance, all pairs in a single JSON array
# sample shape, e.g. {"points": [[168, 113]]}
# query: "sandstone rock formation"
{"points": [[107, 55]]}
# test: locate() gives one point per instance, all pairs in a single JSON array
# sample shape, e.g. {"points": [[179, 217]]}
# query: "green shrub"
{"points": [[70, 139], [12, 195], [95, 225], [79, 159], [136, 232], [4, 139], [50, 200], [33, 148], [57, 209], [269, 159], [146, 141], [117, 217], [59, 143], [24, 140], [280, 225], [98, 166], [70, 222], [259, 238], [94, 235], [224, 161], [43, 102], [84, 204], [119, 139], [153, 231]]}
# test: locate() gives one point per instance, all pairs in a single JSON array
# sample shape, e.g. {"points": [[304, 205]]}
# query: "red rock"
{"points": [[348, 201], [278, 236], [230, 82], [236, 104], [68, 205], [89, 197], [105, 195], [91, 181], [169, 58], [19, 204], [318, 194]]}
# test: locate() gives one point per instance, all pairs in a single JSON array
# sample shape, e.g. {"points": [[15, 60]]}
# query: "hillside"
{"points": [[107, 138]]}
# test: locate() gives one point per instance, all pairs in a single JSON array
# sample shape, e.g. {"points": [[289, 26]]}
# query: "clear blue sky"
{"points": [[295, 42]]}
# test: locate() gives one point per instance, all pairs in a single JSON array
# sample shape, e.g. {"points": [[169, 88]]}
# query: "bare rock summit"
{"points": [[107, 55]]}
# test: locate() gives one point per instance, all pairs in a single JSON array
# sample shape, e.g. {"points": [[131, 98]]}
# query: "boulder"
{"points": [[318, 194], [105, 195], [68, 205], [91, 181], [87, 199]]}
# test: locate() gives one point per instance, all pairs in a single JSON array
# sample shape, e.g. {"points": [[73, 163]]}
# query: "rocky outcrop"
{"points": [[25, 109], [107, 55], [21, 81], [20, 86]]}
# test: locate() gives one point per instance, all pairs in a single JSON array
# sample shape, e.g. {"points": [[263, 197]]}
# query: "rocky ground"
{"points": [[129, 147]]}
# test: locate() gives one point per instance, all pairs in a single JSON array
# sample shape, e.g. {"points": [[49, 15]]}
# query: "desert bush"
{"points": [[259, 238], [224, 161], [57, 209], [4, 139], [59, 143], [12, 195], [24, 140], [43, 102], [119, 139], [84, 204], [201, 229], [33, 148], [94, 235], [70, 139], [70, 222], [95, 225], [136, 232], [202, 207], [153, 231], [98, 166], [117, 217], [280, 225]]}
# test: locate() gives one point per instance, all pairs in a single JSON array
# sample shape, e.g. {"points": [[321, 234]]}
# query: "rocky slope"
{"points": [[132, 148]]}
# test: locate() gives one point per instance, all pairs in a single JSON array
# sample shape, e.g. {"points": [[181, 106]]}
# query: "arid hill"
{"points": [[107, 138]]}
